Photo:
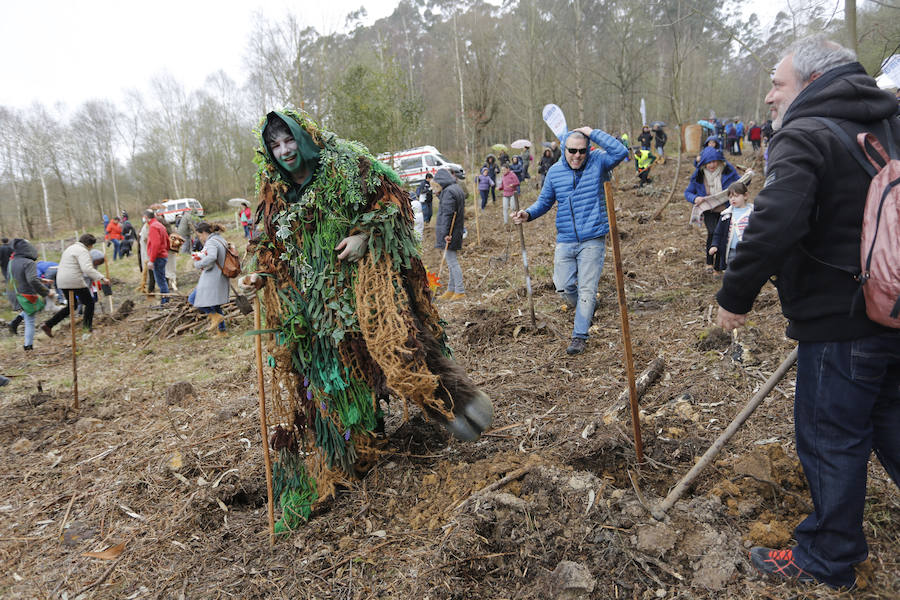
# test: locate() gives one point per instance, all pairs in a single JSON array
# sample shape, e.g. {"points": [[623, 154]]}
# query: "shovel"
{"points": [[241, 301]]}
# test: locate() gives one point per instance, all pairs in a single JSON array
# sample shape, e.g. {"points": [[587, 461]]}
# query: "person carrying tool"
{"points": [[448, 231], [806, 227], [643, 160], [576, 184]]}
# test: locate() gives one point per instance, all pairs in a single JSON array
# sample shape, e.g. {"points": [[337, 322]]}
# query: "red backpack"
{"points": [[879, 273]]}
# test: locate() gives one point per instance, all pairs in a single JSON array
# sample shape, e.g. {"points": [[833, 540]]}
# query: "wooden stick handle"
{"points": [[660, 511], [447, 245], [623, 314], [74, 360], [260, 381]]}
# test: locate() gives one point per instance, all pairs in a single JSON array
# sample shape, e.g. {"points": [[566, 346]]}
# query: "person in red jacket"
{"points": [[754, 134], [157, 252], [114, 234]]}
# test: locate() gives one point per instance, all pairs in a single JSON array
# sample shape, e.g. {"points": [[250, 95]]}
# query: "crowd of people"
{"points": [[806, 220]]}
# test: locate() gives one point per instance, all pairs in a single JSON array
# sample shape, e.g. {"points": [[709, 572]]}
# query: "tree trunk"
{"points": [[46, 202], [462, 99], [112, 176], [579, 90], [850, 20]]}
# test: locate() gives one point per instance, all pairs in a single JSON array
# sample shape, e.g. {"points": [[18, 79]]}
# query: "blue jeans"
{"points": [[207, 309], [117, 248], [159, 273], [847, 404], [454, 274], [576, 273], [29, 327]]}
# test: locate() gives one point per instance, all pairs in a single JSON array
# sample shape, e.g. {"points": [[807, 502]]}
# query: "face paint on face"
{"points": [[284, 148]]}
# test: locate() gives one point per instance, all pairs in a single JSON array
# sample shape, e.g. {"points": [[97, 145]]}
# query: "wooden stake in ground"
{"points": [[108, 291], [623, 314], [525, 264], [446, 246], [660, 511], [659, 210], [260, 381], [72, 331]]}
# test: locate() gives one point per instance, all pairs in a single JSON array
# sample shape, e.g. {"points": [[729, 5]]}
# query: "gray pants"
{"points": [[455, 282]]}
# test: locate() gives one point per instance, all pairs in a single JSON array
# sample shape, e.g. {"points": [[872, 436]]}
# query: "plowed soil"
{"points": [[167, 483]]}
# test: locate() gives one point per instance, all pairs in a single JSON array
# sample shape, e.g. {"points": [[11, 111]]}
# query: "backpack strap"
{"points": [[852, 148], [867, 139]]}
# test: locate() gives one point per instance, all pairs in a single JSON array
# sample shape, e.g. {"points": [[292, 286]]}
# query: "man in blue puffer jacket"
{"points": [[576, 184]]}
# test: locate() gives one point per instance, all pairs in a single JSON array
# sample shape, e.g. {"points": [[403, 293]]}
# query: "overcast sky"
{"points": [[70, 51]]}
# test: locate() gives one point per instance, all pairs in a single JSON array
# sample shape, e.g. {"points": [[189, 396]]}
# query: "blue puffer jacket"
{"points": [[696, 187], [581, 210]]}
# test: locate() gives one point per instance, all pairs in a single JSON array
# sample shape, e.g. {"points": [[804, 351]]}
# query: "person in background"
{"points": [[46, 272], [212, 287], [26, 286], [129, 235], [739, 131], [546, 162], [448, 231], [75, 265], [625, 141], [526, 159], [114, 235], [643, 159], [645, 139], [660, 138], [5, 254], [484, 186], [754, 134], [157, 253], [730, 229], [493, 170], [424, 194], [516, 166], [147, 277], [246, 221], [185, 229], [713, 175], [509, 185], [575, 185]]}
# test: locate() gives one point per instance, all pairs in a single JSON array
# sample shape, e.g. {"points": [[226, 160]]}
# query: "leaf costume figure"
{"points": [[347, 299]]}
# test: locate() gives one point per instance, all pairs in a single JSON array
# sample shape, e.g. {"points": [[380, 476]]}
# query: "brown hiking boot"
{"points": [[46, 329]]}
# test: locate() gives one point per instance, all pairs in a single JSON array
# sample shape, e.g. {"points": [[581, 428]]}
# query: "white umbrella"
{"points": [[521, 144], [238, 202]]}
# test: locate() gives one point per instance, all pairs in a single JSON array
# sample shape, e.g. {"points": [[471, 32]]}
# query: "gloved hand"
{"points": [[249, 283], [353, 247]]}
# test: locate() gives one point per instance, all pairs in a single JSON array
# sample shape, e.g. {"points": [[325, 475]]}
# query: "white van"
{"points": [[412, 165], [172, 208]]}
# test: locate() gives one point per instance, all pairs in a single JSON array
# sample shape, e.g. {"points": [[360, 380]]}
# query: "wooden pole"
{"points": [[446, 246], [521, 229], [623, 314], [477, 212], [659, 211], [660, 511], [74, 360], [106, 264], [260, 381]]}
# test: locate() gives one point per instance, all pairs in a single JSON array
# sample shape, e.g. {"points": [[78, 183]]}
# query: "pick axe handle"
{"points": [[660, 511]]}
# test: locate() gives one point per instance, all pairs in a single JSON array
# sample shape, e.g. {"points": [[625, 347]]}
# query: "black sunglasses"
{"points": [[577, 150]]}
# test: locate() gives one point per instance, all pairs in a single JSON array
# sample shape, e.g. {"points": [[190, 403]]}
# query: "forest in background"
{"points": [[457, 74]]}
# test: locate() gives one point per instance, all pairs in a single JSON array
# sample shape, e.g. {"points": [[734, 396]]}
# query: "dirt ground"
{"points": [[166, 485]]}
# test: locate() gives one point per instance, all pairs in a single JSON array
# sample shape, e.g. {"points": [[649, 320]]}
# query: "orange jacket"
{"points": [[114, 231]]}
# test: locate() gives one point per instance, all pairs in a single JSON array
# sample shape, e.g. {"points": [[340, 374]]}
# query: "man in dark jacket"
{"points": [[448, 230], [808, 218], [425, 189]]}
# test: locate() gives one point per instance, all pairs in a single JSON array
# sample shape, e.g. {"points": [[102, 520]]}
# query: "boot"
{"points": [[214, 320], [446, 295], [14, 325], [47, 330]]}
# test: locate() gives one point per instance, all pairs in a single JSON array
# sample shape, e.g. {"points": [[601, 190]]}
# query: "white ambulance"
{"points": [[412, 165]]}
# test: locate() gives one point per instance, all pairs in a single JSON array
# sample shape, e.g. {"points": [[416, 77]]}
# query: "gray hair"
{"points": [[816, 54], [579, 136]]}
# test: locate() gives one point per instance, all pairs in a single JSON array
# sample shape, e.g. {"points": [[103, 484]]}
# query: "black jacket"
{"points": [[23, 269], [810, 212], [646, 138], [661, 137], [5, 253], [452, 202], [425, 188]]}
